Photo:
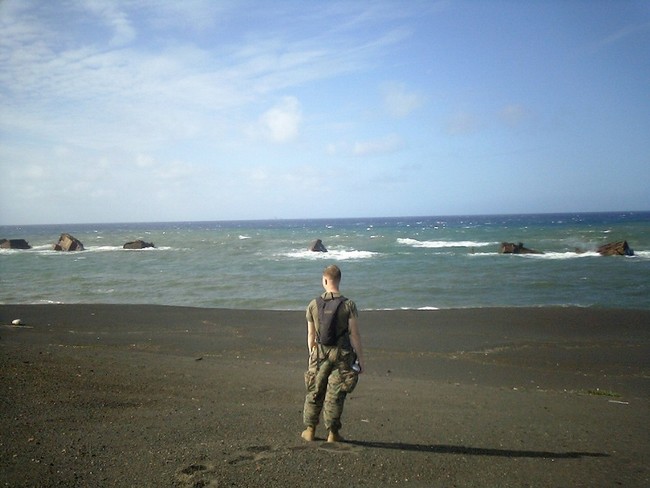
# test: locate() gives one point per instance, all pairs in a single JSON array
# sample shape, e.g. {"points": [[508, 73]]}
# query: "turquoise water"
{"points": [[387, 263]]}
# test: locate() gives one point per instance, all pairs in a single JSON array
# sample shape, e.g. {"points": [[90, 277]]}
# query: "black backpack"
{"points": [[327, 313]]}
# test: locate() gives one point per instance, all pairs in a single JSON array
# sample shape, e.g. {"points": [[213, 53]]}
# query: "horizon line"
{"points": [[294, 219]]}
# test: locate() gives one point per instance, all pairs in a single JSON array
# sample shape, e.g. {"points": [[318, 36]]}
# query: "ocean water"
{"points": [[387, 263]]}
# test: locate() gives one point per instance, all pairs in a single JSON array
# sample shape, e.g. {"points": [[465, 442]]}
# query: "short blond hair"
{"points": [[332, 272]]}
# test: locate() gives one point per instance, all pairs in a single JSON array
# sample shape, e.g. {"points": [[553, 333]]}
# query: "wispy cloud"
{"points": [[173, 92], [116, 19], [620, 35], [116, 97]]}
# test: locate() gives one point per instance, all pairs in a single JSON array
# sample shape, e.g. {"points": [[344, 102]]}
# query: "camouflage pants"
{"points": [[329, 379]]}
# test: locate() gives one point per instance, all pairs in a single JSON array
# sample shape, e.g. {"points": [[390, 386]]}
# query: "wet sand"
{"points": [[122, 395]]}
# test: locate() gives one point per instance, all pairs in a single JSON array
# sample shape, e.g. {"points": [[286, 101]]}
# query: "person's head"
{"points": [[331, 277]]}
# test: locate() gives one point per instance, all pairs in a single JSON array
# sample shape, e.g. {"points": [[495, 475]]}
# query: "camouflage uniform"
{"points": [[330, 376]]}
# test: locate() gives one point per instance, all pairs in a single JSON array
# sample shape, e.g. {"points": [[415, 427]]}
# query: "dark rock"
{"points": [[14, 244], [139, 244], [619, 248], [317, 246], [512, 248], [68, 243]]}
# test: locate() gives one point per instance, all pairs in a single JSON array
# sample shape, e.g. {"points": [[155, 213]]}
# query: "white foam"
{"points": [[642, 254], [338, 255], [105, 291], [103, 248], [443, 244], [560, 255], [48, 249], [44, 247]]}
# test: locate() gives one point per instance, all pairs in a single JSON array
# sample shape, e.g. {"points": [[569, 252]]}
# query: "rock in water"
{"points": [[317, 246], [512, 248], [14, 244], [139, 244], [619, 248], [68, 243]]}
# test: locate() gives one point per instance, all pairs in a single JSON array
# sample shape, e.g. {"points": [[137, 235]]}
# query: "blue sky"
{"points": [[121, 111]]}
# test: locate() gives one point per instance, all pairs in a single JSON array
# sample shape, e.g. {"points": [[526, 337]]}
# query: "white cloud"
{"points": [[281, 123], [35, 172], [370, 147], [258, 175], [384, 145], [462, 123], [180, 99], [82, 93], [513, 114], [144, 161], [174, 171], [398, 101]]}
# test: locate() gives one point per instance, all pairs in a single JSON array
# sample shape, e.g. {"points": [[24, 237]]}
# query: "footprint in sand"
{"points": [[340, 447], [252, 454], [198, 475]]}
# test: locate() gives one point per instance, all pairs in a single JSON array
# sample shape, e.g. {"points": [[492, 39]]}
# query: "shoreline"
{"points": [[126, 395], [560, 306]]}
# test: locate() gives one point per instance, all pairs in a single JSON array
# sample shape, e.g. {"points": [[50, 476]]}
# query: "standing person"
{"points": [[335, 356]]}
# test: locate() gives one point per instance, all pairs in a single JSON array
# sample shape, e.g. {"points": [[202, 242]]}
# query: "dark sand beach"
{"points": [[121, 395]]}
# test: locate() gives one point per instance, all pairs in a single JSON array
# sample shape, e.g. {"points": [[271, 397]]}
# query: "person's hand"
{"points": [[357, 366]]}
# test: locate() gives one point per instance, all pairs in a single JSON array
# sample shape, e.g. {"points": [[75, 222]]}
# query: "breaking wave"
{"points": [[443, 244], [337, 255], [48, 249]]}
